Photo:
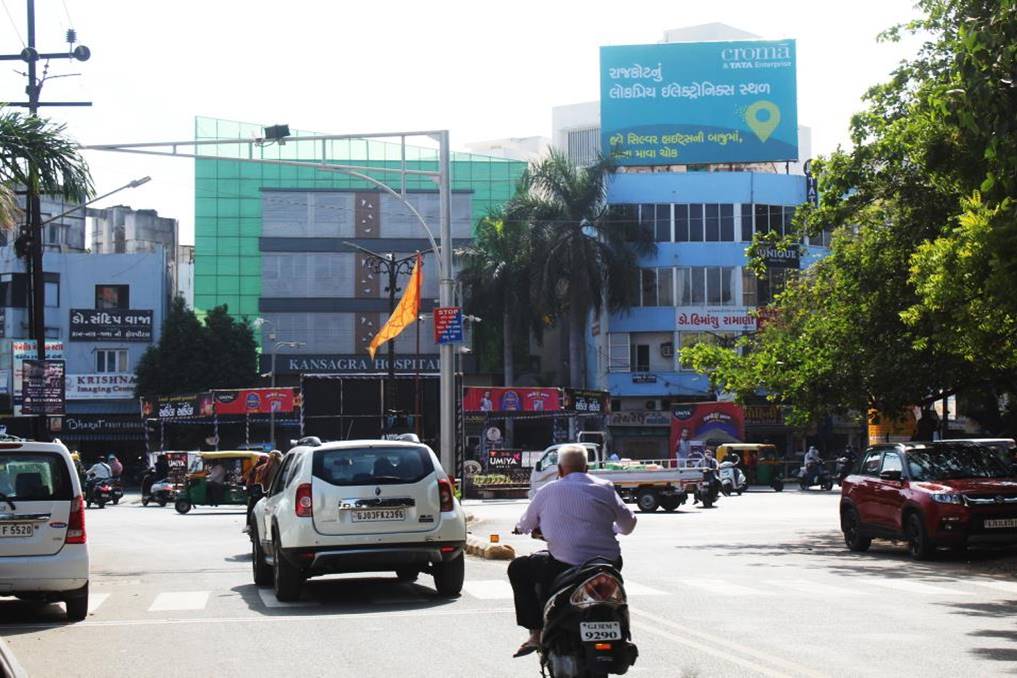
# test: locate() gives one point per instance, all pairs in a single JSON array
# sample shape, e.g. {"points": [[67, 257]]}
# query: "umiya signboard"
{"points": [[699, 103]]}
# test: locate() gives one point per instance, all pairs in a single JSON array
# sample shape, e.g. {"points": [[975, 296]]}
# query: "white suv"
{"points": [[43, 550], [358, 506]]}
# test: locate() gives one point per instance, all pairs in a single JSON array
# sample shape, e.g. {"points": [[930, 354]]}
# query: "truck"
{"points": [[663, 483]]}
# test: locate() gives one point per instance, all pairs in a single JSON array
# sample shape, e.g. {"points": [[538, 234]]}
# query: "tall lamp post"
{"points": [[388, 265], [276, 345]]}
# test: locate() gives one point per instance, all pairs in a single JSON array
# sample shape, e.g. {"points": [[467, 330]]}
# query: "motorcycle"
{"points": [[161, 492], [731, 477], [99, 491], [710, 489], [844, 467], [586, 624], [814, 474], [116, 487]]}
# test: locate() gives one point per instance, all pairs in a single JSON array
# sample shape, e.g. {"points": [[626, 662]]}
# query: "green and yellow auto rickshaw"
{"points": [[228, 466]]}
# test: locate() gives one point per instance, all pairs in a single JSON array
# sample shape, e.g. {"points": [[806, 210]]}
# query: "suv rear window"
{"points": [[372, 465], [34, 476]]}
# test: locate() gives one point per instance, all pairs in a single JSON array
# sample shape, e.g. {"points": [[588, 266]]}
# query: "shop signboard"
{"points": [[101, 386], [720, 319], [781, 257], [501, 460], [699, 102], [24, 349], [763, 415], [254, 401], [501, 399], [890, 427], [77, 426], [704, 424], [448, 324], [42, 387], [89, 324], [639, 418], [318, 363], [178, 407], [586, 402]]}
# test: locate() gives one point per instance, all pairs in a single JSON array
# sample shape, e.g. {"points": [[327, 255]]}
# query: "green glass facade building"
{"points": [[228, 198]]}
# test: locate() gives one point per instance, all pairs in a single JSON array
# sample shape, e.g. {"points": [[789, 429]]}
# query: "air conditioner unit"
{"points": [[652, 404]]}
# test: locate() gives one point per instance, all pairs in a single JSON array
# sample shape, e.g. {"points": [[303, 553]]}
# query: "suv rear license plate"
{"points": [[378, 515], [592, 632], [16, 530], [1000, 522]]}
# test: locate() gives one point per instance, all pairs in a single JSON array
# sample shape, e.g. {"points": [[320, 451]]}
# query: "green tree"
{"points": [[192, 357], [496, 271], [36, 153], [585, 252]]}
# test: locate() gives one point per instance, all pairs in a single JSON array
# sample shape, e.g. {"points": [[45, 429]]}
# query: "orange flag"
{"points": [[405, 314]]}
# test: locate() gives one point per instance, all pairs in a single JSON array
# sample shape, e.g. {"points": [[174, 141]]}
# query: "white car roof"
{"points": [[360, 444]]}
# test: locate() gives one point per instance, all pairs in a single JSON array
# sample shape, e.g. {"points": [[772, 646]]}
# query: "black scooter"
{"points": [[586, 624], [844, 467], [99, 491]]}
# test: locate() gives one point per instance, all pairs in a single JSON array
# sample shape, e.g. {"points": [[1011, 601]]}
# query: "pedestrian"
{"points": [[115, 466], [250, 480], [215, 483]]}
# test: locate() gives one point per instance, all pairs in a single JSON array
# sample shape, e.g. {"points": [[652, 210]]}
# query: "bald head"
{"points": [[571, 459]]}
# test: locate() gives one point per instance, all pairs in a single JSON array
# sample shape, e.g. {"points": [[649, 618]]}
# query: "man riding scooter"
{"points": [[579, 516], [813, 463]]}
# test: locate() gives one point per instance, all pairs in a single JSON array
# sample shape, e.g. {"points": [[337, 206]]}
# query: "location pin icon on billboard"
{"points": [[763, 118]]}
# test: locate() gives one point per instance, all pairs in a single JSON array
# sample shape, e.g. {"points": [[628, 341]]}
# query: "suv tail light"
{"points": [[304, 505], [76, 523], [601, 589], [446, 495]]}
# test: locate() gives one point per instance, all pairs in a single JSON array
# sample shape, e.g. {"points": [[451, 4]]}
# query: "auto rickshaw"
{"points": [[236, 462], [760, 461]]}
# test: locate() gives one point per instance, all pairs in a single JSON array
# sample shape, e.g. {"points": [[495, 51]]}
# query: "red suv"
{"points": [[940, 494]]}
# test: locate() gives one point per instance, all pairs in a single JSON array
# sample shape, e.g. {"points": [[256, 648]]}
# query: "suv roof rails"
{"points": [[307, 441]]}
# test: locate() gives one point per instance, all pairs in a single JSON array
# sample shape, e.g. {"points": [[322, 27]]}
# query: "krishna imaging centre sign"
{"points": [[699, 103]]}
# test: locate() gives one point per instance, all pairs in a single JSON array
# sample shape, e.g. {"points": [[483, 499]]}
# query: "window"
{"points": [[277, 482], [746, 222], [52, 292], [657, 218], [892, 462], [111, 360], [821, 239], [690, 339], [696, 223], [870, 466], [773, 284], [750, 295], [372, 465], [766, 218], [704, 223], [640, 358], [648, 285], [705, 285], [14, 290], [108, 297], [34, 476], [618, 358], [665, 287], [655, 287]]}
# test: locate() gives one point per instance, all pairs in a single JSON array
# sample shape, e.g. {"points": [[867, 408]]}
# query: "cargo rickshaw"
{"points": [[236, 464], [761, 462]]}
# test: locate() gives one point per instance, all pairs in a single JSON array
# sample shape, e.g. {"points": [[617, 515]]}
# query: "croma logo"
{"points": [[757, 53]]}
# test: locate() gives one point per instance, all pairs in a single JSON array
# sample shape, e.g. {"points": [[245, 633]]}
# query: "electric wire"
{"points": [[14, 25]]}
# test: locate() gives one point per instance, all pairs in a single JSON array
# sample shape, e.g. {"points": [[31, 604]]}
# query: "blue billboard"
{"points": [[699, 103]]}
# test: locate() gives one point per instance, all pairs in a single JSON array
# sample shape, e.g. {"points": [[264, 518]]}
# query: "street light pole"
{"points": [[271, 410], [446, 294]]}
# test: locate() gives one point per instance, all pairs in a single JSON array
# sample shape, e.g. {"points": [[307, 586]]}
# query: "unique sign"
{"points": [[699, 103], [254, 401], [495, 399], [504, 459], [42, 387], [776, 257], [448, 324], [718, 319], [89, 324], [101, 386]]}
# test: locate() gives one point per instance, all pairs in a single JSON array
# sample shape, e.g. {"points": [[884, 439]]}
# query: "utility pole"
{"points": [[36, 277]]}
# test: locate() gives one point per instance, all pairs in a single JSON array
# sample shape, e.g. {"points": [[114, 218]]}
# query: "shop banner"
{"points": [[254, 401], [103, 386], [586, 402], [495, 399], [89, 324], [764, 415], [696, 426], [639, 418], [178, 407], [735, 319], [24, 349], [504, 459], [42, 387]]}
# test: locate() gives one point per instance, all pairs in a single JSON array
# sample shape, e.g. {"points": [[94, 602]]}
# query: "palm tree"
{"points": [[35, 153], [586, 253], [496, 271]]}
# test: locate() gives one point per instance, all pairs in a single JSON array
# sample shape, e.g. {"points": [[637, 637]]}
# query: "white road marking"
{"points": [[95, 600], [724, 588], [179, 600], [268, 598], [489, 589], [636, 589], [909, 586], [721, 647], [810, 587], [1005, 586]]}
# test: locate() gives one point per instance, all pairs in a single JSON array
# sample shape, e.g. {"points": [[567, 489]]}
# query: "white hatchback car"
{"points": [[43, 550], [358, 506]]}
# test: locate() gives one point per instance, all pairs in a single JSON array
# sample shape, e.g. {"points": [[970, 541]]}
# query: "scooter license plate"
{"points": [[592, 632]]}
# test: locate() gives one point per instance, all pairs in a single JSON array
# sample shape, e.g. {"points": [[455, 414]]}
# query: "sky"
{"points": [[481, 69]]}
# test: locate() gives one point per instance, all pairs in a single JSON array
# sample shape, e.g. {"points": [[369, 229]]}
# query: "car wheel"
{"points": [[407, 574], [828, 485], [777, 485], [918, 541], [287, 578], [647, 501], [449, 576], [852, 528], [260, 569], [182, 506], [77, 604], [670, 504]]}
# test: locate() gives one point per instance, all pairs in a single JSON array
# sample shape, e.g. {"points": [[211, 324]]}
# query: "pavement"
{"points": [[759, 585]]}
